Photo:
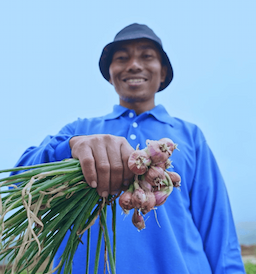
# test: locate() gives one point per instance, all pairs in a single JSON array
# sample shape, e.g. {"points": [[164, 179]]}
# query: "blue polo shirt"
{"points": [[196, 233]]}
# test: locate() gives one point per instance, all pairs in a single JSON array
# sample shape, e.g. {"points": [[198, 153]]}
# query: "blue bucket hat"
{"points": [[133, 32]]}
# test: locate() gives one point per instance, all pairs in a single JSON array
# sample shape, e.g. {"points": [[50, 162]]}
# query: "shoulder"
{"points": [[82, 125], [185, 130], [188, 131]]}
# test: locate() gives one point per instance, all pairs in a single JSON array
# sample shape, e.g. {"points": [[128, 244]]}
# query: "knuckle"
{"points": [[103, 167], [95, 139], [107, 137], [123, 140], [117, 169], [87, 162]]}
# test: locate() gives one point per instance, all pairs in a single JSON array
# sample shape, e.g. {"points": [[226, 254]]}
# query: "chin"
{"points": [[133, 99]]}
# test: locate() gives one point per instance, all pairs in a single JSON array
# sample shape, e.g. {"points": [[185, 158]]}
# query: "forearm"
{"points": [[53, 148]]}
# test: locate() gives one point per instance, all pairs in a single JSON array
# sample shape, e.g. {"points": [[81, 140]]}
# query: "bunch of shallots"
{"points": [[153, 183]]}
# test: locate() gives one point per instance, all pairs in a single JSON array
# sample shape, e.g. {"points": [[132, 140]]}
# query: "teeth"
{"points": [[135, 80]]}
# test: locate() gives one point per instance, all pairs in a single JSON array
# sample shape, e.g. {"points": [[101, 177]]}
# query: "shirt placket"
{"points": [[133, 132]]}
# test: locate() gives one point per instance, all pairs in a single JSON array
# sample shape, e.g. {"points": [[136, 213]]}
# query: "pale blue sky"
{"points": [[49, 76]]}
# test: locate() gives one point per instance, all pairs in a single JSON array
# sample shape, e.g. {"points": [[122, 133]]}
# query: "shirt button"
{"points": [[133, 136], [131, 114], [135, 124]]}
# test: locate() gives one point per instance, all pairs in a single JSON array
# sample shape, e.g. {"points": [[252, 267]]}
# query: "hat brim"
{"points": [[107, 54]]}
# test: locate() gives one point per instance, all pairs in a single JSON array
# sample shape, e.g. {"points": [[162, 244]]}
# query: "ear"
{"points": [[163, 73], [110, 81]]}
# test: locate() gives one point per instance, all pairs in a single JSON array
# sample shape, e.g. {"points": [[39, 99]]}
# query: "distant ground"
{"points": [[249, 253], [248, 250]]}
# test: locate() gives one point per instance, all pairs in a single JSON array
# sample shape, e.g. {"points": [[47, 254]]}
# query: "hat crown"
{"points": [[137, 31]]}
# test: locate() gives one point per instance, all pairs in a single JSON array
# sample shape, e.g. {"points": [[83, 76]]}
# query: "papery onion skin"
{"points": [[170, 144], [139, 161], [138, 220], [157, 151], [145, 185], [155, 175], [175, 178], [125, 201], [162, 194], [164, 165], [149, 204], [138, 197]]}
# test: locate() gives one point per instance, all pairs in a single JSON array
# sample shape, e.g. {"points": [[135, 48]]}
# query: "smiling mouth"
{"points": [[135, 80]]}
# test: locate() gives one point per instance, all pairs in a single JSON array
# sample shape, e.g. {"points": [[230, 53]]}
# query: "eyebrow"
{"points": [[123, 48]]}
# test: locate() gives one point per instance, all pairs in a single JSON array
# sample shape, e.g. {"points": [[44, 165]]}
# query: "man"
{"points": [[196, 233]]}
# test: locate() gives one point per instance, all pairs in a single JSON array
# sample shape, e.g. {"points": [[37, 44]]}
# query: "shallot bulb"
{"points": [[162, 194], [138, 220], [175, 178], [138, 196], [125, 201], [165, 165], [169, 144], [146, 186], [149, 204], [139, 161], [157, 151], [155, 175]]}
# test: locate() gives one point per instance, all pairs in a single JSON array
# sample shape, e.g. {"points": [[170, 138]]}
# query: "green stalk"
{"points": [[88, 250], [75, 213], [47, 184], [55, 224], [50, 170], [52, 165], [85, 210], [105, 231], [97, 256], [113, 206]]}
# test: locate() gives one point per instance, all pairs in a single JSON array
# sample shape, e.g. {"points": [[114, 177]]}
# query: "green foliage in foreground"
{"points": [[25, 272], [250, 268]]}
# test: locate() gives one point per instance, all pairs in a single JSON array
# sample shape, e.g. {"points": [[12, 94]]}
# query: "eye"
{"points": [[148, 56], [120, 56]]}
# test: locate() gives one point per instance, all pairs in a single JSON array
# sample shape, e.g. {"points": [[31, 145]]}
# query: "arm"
{"points": [[53, 148], [213, 216]]}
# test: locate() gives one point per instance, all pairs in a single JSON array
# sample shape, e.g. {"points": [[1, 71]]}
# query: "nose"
{"points": [[134, 65]]}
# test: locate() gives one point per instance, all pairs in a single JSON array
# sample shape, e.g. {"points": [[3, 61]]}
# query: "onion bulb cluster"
{"points": [[153, 183]]}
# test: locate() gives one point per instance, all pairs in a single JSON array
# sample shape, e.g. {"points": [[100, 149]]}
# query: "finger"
{"points": [[116, 168], [103, 170], [87, 163], [126, 150]]}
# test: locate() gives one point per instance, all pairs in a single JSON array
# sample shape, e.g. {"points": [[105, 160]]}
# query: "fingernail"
{"points": [[93, 184], [104, 194]]}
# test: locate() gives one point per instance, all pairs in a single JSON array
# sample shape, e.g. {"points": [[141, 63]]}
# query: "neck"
{"points": [[138, 107]]}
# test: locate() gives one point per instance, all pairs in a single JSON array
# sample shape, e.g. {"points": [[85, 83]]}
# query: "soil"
{"points": [[248, 250], [248, 253]]}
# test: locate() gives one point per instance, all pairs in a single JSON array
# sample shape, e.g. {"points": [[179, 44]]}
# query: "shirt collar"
{"points": [[117, 112], [159, 112]]}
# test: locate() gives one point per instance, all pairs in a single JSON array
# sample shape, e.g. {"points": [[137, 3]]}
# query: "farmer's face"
{"points": [[136, 72]]}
